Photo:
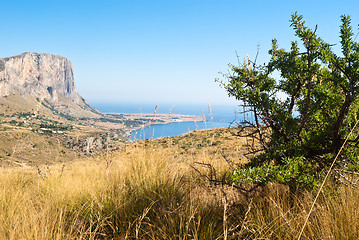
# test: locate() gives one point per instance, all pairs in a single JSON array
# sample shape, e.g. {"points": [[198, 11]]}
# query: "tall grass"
{"points": [[153, 193]]}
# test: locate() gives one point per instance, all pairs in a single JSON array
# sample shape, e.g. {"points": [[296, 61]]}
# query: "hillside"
{"points": [[44, 120]]}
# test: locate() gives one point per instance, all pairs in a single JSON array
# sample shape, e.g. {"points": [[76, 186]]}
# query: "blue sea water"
{"points": [[217, 116]]}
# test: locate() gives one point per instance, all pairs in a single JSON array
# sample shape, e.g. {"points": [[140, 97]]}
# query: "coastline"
{"points": [[174, 129], [148, 120]]}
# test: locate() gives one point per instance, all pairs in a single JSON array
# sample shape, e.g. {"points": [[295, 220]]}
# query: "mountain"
{"points": [[42, 78], [43, 119]]}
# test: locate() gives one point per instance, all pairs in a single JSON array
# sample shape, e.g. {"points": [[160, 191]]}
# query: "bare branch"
{"points": [[213, 179]]}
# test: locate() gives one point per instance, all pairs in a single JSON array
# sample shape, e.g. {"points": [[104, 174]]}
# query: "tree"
{"points": [[299, 134]]}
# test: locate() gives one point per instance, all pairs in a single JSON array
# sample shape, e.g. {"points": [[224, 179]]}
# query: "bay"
{"points": [[174, 129], [216, 116]]}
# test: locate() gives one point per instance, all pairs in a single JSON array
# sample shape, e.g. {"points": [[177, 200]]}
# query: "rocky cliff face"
{"points": [[45, 76], [30, 79]]}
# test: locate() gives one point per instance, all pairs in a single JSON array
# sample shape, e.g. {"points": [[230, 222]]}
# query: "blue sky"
{"points": [[159, 51]]}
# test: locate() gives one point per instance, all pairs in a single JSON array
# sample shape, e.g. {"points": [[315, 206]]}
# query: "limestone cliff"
{"points": [[46, 77], [40, 75]]}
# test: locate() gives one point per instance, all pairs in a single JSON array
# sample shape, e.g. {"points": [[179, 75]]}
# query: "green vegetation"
{"points": [[301, 119], [57, 127], [61, 114]]}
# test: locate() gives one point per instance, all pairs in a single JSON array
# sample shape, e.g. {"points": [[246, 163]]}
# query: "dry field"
{"points": [[150, 190]]}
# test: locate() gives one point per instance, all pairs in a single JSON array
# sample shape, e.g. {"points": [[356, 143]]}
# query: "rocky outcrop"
{"points": [[45, 76]]}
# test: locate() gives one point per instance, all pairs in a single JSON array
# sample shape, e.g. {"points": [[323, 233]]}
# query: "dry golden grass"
{"points": [[150, 191]]}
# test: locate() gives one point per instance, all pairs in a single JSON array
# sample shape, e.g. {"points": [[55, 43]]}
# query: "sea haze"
{"points": [[216, 116]]}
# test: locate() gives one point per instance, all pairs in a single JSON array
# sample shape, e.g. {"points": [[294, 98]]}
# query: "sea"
{"points": [[216, 116]]}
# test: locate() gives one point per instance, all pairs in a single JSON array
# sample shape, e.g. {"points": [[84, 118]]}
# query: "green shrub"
{"points": [[300, 119]]}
